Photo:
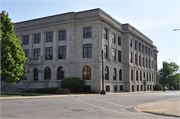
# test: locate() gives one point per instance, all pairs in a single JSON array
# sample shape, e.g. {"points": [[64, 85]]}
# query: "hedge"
{"points": [[158, 86], [47, 90]]}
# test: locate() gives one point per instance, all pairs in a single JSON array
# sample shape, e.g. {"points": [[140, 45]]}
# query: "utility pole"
{"points": [[163, 79]]}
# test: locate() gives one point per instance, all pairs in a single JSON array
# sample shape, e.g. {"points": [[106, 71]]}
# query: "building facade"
{"points": [[70, 45]]}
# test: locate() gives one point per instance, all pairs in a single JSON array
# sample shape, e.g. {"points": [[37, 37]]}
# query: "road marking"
{"points": [[114, 103], [102, 107], [49, 112]]}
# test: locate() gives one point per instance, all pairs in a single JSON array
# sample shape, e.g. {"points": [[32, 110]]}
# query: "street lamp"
{"points": [[102, 92], [163, 76], [179, 70]]}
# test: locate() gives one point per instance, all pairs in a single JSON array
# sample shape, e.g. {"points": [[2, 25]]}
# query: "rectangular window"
{"points": [[139, 46], [149, 63], [121, 87], [107, 88], [114, 54], [149, 52], [146, 63], [135, 59], [49, 53], [130, 42], [152, 64], [87, 51], [131, 75], [143, 62], [119, 56], [136, 75], [113, 38], [131, 57], [105, 34], [146, 50], [37, 38], [142, 48], [141, 87], [105, 51], [132, 88], [62, 52], [49, 37], [87, 32], [147, 76], [26, 52], [155, 56], [115, 88], [140, 60], [37, 52], [135, 45], [140, 76], [62, 35], [26, 40], [119, 41], [137, 87]]}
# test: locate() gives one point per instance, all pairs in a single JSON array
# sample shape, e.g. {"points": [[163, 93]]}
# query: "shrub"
{"points": [[47, 90], [91, 91], [74, 84], [158, 86]]}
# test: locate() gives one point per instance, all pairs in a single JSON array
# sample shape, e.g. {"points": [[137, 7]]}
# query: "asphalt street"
{"points": [[112, 106]]}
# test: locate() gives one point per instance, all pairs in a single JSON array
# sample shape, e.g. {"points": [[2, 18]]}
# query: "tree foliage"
{"points": [[158, 86], [12, 54], [171, 74]]}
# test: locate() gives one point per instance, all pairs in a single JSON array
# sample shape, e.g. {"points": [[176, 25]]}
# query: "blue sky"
{"points": [[154, 18]]}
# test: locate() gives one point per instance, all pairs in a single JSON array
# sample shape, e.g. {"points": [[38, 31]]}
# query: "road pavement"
{"points": [[111, 106]]}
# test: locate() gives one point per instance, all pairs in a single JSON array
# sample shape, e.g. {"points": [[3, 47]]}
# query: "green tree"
{"points": [[12, 54], [171, 75]]}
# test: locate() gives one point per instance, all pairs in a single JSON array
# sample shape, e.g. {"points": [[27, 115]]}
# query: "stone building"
{"points": [[70, 45]]}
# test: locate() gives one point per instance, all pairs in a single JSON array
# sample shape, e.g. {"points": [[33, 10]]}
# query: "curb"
{"points": [[156, 113]]}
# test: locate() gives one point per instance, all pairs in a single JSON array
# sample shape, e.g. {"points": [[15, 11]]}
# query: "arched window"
{"points": [[87, 73], [120, 75], [106, 73], [35, 74], [136, 75], [60, 73], [114, 74], [47, 73]]}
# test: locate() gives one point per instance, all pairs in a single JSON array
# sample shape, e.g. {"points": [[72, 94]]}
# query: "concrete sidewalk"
{"points": [[166, 108]]}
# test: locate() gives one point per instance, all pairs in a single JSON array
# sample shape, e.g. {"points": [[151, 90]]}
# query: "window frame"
{"points": [[50, 36], [113, 36], [89, 34], [88, 52], [60, 73], [26, 40], [105, 36], [63, 53], [37, 51], [63, 36], [37, 38], [119, 56], [88, 73], [114, 56], [48, 53]]}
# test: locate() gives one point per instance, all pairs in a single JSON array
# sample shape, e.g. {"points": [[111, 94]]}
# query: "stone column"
{"points": [[55, 39], [30, 45], [42, 52]]}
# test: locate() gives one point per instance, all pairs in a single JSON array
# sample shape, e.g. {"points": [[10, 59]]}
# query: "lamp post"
{"points": [[179, 61], [163, 76], [102, 92]]}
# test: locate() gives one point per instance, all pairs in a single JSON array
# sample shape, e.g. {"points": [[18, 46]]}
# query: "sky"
{"points": [[154, 18]]}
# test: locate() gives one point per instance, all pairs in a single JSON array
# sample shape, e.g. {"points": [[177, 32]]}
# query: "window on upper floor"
{"points": [[120, 75], [62, 35], [87, 50], [135, 45], [113, 38], [26, 40], [26, 52], [62, 52], [105, 51], [37, 52], [142, 48], [140, 60], [136, 59], [87, 32], [155, 57], [146, 51], [119, 56], [37, 38], [49, 37], [149, 52], [140, 76], [114, 54], [130, 42], [49, 53], [105, 34], [131, 57], [139, 46], [119, 41], [136, 75], [131, 75]]}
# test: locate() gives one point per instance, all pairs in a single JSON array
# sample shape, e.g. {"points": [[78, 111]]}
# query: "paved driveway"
{"points": [[114, 106]]}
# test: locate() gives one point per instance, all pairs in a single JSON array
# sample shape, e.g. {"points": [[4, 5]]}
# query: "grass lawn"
{"points": [[19, 95]]}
